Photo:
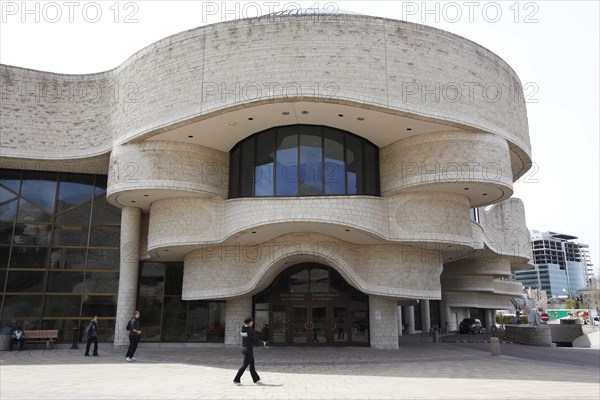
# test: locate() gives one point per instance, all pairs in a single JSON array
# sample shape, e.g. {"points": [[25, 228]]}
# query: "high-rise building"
{"points": [[315, 171], [562, 266]]}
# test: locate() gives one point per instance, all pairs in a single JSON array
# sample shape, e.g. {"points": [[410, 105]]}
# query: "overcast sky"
{"points": [[552, 45]]}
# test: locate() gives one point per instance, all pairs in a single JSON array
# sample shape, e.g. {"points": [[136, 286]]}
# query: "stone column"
{"points": [[425, 316], [383, 322], [489, 318], [131, 218], [409, 313], [445, 317], [400, 328], [450, 323], [236, 312]]}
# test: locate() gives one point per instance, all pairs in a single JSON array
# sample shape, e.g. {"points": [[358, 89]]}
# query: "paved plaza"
{"points": [[415, 371]]}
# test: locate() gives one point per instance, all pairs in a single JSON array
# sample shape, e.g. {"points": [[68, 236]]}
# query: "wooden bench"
{"points": [[47, 336]]}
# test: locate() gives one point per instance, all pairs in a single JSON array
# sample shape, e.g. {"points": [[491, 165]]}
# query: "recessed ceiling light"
{"points": [[285, 113], [360, 118], [304, 112], [232, 123]]}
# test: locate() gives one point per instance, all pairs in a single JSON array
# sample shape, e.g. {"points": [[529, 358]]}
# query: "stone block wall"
{"points": [[533, 335]]}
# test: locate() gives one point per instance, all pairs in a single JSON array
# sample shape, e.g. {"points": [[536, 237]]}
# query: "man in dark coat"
{"points": [[91, 331], [249, 340]]}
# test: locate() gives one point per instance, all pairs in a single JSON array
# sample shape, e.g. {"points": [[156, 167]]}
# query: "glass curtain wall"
{"points": [[168, 318], [59, 252]]}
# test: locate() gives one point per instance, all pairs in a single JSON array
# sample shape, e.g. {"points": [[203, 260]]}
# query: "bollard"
{"points": [[495, 346], [436, 336], [75, 338]]}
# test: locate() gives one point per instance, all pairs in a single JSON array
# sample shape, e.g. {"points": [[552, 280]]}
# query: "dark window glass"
{"points": [[4, 253], [152, 279], [103, 259], [62, 305], [65, 282], [25, 281], [197, 321], [247, 167], [29, 257], [234, 173], [41, 193], [152, 312], [104, 213], [65, 258], [71, 235], [319, 280], [75, 190], [354, 167], [360, 321], [174, 319], [31, 234], [6, 195], [371, 161], [101, 184], [11, 179], [173, 279], [78, 215], [105, 236], [28, 212], [8, 211], [286, 173], [299, 282], [6, 233], [40, 188], [265, 158], [216, 322], [19, 306], [105, 306], [102, 282], [311, 160], [335, 169]]}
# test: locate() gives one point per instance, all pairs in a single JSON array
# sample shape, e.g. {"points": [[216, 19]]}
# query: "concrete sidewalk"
{"points": [[415, 371]]}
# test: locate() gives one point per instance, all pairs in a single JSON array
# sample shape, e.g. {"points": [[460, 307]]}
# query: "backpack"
{"points": [[128, 326]]}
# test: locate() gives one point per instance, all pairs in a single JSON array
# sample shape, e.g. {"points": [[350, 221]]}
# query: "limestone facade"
{"points": [[447, 115]]}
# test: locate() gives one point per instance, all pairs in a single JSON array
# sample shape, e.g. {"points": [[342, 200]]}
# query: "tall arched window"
{"points": [[303, 160]]}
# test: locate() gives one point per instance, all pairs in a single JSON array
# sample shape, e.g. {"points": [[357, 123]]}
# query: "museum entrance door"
{"points": [[312, 305]]}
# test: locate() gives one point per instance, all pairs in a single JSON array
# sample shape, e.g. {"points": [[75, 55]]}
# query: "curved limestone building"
{"points": [[345, 179]]}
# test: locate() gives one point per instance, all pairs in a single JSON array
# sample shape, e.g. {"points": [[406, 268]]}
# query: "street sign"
{"points": [[544, 317]]}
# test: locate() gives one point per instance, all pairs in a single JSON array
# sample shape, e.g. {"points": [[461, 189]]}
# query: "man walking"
{"points": [[91, 331], [249, 340], [133, 327]]}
